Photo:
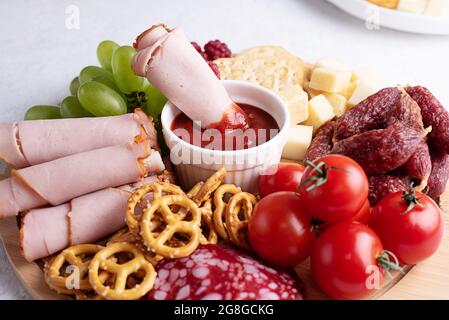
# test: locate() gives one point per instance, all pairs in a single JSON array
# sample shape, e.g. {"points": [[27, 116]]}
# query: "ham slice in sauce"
{"points": [[171, 64], [27, 143]]}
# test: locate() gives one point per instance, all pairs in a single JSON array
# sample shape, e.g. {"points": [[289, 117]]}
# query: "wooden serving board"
{"points": [[427, 280]]}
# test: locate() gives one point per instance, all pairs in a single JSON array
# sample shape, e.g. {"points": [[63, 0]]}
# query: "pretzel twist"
{"points": [[238, 211], [208, 233], [158, 189], [71, 257], [104, 261], [161, 238], [211, 184], [125, 235], [218, 217]]}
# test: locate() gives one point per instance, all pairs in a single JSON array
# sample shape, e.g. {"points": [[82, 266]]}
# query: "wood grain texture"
{"points": [[427, 280]]}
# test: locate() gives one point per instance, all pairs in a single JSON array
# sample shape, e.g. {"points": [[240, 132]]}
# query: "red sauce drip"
{"points": [[261, 127]]}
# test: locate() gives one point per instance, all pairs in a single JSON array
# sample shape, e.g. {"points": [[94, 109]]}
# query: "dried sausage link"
{"points": [[382, 185], [383, 150], [433, 114], [322, 143]]}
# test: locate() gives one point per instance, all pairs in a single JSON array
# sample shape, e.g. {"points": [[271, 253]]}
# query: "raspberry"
{"points": [[214, 68], [216, 50], [200, 51]]}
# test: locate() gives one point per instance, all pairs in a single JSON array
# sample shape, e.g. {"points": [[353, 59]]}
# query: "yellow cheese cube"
{"points": [[412, 6], [338, 103], [297, 101], [331, 64], [330, 80], [299, 139], [364, 89], [349, 90], [320, 112]]}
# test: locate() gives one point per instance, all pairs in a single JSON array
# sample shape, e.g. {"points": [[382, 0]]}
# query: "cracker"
{"points": [[274, 68]]}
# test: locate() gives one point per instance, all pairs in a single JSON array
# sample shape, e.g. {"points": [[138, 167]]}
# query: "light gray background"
{"points": [[39, 55]]}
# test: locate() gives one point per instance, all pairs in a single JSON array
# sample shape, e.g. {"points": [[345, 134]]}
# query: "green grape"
{"points": [[74, 85], [72, 108], [123, 73], [110, 83], [43, 112], [104, 53], [91, 72], [100, 100], [155, 102]]}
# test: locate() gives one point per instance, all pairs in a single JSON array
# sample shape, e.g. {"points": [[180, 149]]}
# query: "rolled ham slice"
{"points": [[27, 143], [63, 179], [85, 219], [171, 64]]}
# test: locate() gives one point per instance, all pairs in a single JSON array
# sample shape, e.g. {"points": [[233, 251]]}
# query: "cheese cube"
{"points": [[338, 103], [299, 139], [331, 64], [364, 89], [320, 112], [297, 101], [347, 93], [330, 80], [437, 8], [412, 6]]}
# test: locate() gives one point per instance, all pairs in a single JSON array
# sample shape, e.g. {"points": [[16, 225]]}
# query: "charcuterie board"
{"points": [[428, 280]]}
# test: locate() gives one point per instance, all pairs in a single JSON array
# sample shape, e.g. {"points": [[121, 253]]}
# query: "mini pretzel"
{"points": [[208, 234], [124, 235], [162, 241], [158, 189], [104, 260], [220, 208], [209, 186], [73, 256], [195, 189], [237, 224]]}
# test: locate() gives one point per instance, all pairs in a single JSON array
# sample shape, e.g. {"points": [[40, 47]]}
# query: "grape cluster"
{"points": [[109, 90]]}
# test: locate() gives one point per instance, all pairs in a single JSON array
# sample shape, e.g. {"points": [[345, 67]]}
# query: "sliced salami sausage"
{"points": [[215, 272]]}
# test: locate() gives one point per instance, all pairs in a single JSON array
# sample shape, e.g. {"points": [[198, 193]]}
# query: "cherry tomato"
{"points": [[364, 214], [280, 230], [334, 188], [287, 177], [412, 233], [344, 261]]}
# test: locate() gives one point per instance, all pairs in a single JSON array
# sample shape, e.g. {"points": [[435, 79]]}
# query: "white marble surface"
{"points": [[39, 55]]}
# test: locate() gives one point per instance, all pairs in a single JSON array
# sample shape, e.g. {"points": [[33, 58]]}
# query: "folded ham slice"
{"points": [[33, 142], [169, 61], [63, 179], [85, 219]]}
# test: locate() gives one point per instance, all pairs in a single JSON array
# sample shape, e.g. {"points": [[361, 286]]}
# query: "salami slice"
{"points": [[215, 272]]}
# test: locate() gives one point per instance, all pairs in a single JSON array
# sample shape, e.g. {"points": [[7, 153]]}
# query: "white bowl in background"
{"points": [[394, 19], [195, 164]]}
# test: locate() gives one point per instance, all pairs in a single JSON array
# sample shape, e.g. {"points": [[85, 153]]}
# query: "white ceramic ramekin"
{"points": [[195, 164]]}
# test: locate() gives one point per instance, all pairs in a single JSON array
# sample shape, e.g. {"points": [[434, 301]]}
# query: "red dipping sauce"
{"points": [[261, 128]]}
